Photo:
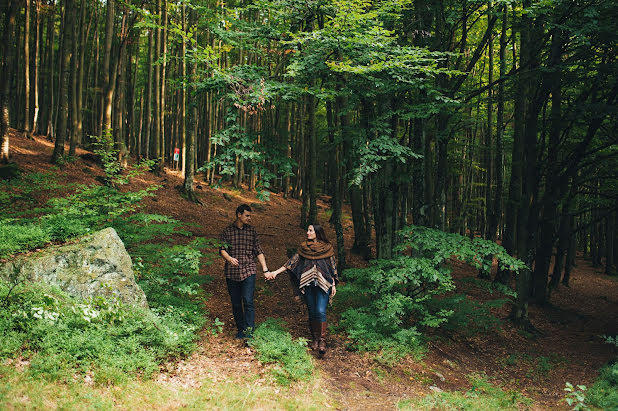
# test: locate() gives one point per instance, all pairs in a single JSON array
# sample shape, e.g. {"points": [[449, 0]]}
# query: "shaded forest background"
{"points": [[487, 118]]}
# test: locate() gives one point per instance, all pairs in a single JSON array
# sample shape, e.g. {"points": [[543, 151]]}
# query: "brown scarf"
{"points": [[315, 250]]}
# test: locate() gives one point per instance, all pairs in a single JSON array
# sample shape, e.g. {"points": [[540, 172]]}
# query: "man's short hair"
{"points": [[242, 208]]}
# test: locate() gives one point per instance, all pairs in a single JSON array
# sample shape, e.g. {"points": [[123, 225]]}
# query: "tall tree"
{"points": [[7, 41]]}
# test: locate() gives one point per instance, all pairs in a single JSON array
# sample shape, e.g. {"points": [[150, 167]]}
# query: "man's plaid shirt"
{"points": [[242, 244]]}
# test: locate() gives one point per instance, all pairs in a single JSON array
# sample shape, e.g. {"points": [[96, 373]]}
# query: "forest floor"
{"points": [[567, 348]]}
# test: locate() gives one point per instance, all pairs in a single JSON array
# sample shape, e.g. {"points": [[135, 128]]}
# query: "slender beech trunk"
{"points": [[148, 104], [556, 187], [163, 51], [37, 52], [492, 219], [312, 180], [191, 138], [51, 104], [7, 40], [499, 159], [63, 89], [27, 127], [509, 240], [183, 93], [108, 83], [79, 113], [73, 89], [156, 128]]}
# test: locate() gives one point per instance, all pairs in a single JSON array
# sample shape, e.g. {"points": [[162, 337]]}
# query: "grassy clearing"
{"points": [[18, 391]]}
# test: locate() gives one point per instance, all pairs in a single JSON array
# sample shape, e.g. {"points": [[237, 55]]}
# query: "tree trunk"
{"points": [[79, 113], [108, 83], [156, 128], [27, 127], [163, 76], [7, 40], [37, 53], [63, 89], [191, 138], [183, 94], [312, 181], [50, 132], [73, 88], [148, 104], [499, 159], [492, 218]]}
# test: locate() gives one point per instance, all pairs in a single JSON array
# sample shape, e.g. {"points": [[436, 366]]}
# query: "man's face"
{"points": [[245, 217]]}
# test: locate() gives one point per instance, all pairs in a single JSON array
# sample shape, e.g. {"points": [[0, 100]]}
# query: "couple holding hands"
{"points": [[312, 271]]}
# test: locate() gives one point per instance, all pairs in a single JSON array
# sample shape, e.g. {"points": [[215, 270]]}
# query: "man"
{"points": [[240, 247]]}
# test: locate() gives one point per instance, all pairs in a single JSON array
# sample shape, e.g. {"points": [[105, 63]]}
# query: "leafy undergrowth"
{"points": [[60, 337], [604, 392], [390, 306], [274, 345], [482, 396]]}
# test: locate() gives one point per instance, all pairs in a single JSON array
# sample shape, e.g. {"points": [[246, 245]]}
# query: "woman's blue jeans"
{"points": [[317, 301]]}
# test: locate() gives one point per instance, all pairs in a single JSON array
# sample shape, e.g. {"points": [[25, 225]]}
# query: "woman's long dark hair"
{"points": [[320, 235]]}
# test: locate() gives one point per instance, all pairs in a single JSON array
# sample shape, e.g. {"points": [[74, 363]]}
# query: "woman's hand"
{"points": [[333, 291]]}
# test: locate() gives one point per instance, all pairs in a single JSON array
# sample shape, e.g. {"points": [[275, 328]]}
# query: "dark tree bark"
{"points": [[27, 127], [63, 89], [51, 104], [7, 40], [191, 138]]}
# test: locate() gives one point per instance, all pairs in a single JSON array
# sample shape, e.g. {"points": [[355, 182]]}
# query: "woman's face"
{"points": [[310, 233]]}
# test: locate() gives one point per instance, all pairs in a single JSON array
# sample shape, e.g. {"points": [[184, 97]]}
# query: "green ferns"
{"points": [[391, 301]]}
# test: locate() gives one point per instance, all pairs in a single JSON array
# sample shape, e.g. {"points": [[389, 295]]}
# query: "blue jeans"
{"points": [[317, 300], [241, 294]]}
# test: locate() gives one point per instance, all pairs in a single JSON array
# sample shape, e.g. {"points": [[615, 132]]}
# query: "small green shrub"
{"points": [[575, 396], [482, 396], [390, 302], [604, 391], [468, 316], [274, 345]]}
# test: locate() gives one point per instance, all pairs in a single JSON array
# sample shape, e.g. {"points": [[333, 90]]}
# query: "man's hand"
{"points": [[269, 276], [233, 261]]}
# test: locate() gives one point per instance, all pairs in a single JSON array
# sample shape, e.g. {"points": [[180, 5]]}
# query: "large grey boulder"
{"points": [[96, 265]]}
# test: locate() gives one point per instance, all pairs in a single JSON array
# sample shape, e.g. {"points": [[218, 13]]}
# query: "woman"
{"points": [[314, 271]]}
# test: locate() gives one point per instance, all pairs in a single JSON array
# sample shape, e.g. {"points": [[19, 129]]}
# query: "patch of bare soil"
{"points": [[568, 346]]}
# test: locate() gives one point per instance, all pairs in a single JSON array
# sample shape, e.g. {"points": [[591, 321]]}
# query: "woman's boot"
{"points": [[322, 342], [315, 334]]}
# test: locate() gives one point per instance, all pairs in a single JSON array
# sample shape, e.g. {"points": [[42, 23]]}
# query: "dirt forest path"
{"points": [[349, 377], [570, 328]]}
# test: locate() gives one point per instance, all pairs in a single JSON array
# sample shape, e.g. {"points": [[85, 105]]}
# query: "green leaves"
{"points": [[395, 299]]}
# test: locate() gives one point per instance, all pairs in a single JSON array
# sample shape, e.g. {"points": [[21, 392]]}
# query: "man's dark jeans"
{"points": [[241, 294]]}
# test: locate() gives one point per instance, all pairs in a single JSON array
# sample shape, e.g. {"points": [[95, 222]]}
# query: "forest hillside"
{"points": [[476, 359]]}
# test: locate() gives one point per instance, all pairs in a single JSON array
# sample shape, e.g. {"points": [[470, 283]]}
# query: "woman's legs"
{"points": [[317, 301]]}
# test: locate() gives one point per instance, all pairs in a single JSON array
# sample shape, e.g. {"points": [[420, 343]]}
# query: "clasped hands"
{"points": [[269, 275]]}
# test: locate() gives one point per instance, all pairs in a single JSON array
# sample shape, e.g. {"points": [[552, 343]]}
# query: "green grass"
{"points": [[274, 345], [20, 391], [482, 396]]}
